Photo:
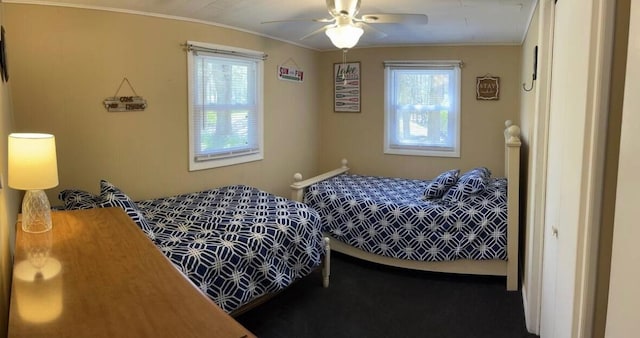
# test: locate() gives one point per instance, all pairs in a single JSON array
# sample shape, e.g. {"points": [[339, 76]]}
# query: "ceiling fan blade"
{"points": [[370, 30], [317, 31], [343, 7], [413, 19], [298, 20]]}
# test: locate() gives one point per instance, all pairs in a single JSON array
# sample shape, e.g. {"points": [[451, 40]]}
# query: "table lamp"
{"points": [[33, 167]]}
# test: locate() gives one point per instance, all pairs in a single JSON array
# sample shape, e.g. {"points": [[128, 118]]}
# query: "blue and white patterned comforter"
{"points": [[390, 217], [235, 243]]}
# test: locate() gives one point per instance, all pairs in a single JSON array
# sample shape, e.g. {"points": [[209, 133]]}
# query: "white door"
{"points": [[571, 164], [561, 94]]}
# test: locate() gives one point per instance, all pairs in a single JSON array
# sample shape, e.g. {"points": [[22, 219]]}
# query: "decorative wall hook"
{"points": [[535, 71]]}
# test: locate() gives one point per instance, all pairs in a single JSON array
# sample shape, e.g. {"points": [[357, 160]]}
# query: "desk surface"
{"points": [[97, 275]]}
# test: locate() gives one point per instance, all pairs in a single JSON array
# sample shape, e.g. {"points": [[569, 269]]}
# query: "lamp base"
{"points": [[36, 212]]}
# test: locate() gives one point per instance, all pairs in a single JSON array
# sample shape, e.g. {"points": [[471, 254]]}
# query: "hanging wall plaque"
{"points": [[290, 71], [290, 74], [488, 88], [346, 87], [125, 103]]}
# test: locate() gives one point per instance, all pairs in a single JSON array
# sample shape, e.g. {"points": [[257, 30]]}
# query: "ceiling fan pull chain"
{"points": [[344, 65]]}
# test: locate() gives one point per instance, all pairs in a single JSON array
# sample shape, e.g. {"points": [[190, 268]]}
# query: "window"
{"points": [[225, 105], [422, 108]]}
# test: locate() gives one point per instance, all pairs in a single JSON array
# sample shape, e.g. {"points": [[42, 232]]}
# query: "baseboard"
{"points": [[531, 323]]}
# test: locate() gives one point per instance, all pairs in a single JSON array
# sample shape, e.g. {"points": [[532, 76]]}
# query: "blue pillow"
{"points": [[111, 196], [483, 171], [471, 182], [441, 184], [74, 199]]}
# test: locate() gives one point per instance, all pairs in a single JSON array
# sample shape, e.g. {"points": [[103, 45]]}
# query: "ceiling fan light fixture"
{"points": [[344, 36]]}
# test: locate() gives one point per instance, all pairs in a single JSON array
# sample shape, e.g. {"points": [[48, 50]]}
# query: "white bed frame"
{"points": [[508, 268]]}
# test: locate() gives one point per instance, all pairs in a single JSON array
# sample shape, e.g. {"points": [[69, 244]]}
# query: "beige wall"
{"points": [[9, 204], [624, 298], [527, 98], [66, 61], [9, 199], [359, 136], [528, 106], [611, 164], [527, 115]]}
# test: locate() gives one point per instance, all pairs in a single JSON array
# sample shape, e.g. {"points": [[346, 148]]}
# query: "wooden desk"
{"points": [[97, 275]]}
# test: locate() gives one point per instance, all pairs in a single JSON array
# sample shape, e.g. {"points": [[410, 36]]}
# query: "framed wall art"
{"points": [[487, 88], [346, 87]]}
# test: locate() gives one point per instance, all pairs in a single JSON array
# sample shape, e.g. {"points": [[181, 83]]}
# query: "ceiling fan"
{"points": [[344, 29]]}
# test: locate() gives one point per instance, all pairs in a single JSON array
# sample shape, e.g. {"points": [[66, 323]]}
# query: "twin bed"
{"points": [[239, 244], [467, 225]]}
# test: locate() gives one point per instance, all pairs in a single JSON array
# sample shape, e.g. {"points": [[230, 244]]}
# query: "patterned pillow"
{"points": [[483, 171], [111, 196], [78, 199], [472, 182], [442, 183]]}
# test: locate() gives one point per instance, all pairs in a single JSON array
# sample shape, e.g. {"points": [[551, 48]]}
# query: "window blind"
{"points": [[422, 107], [225, 105]]}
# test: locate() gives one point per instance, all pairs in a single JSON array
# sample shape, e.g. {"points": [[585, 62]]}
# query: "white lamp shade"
{"points": [[344, 36], [32, 161]]}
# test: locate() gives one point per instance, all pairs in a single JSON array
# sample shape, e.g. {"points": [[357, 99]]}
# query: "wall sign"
{"points": [[346, 87], [487, 88], [125, 103], [290, 74], [290, 71], [117, 103]]}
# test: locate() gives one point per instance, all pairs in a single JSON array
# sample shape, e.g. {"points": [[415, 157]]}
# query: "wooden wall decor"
{"points": [[117, 103], [487, 88]]}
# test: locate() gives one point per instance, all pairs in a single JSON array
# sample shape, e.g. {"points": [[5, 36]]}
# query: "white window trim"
{"points": [[389, 65], [227, 52]]}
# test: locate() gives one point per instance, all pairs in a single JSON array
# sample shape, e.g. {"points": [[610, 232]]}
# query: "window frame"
{"points": [[454, 115], [231, 53]]}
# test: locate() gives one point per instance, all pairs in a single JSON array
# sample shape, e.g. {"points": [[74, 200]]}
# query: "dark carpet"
{"points": [[371, 300]]}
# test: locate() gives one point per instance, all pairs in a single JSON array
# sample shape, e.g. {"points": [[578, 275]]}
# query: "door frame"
{"points": [[602, 34]]}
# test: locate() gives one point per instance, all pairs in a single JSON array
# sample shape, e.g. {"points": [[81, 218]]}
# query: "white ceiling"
{"points": [[450, 21]]}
